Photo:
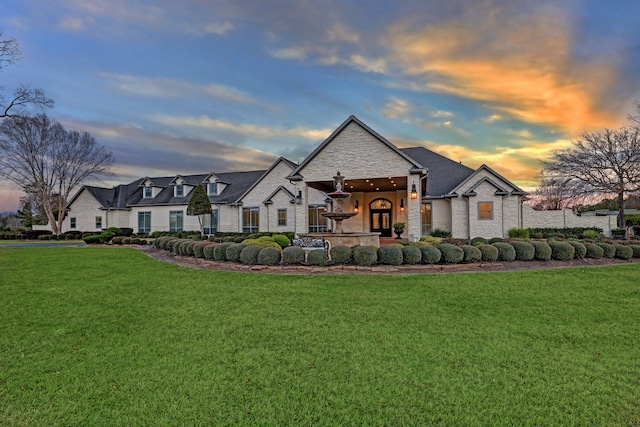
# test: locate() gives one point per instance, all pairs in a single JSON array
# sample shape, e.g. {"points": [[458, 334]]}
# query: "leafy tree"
{"points": [[199, 204], [29, 213], [49, 162]]}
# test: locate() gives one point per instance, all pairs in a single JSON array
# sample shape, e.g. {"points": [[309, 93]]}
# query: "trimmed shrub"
{"points": [[365, 256], [292, 255], [580, 248], [623, 252], [594, 251], [489, 253], [495, 240], [186, 248], [115, 230], [318, 257], [519, 233], [430, 254], [105, 237], [411, 255], [69, 237], [131, 240], [609, 250], [269, 256], [340, 254], [91, 240], [506, 252], [542, 250], [636, 250], [451, 254], [126, 231], [263, 243], [116, 240], [233, 252], [198, 249], [524, 250], [471, 253], [619, 233], [249, 254], [175, 245], [431, 240], [208, 251], [477, 241], [562, 251], [220, 251], [389, 255], [281, 239]]}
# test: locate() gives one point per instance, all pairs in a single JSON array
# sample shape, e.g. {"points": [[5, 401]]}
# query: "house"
{"points": [[388, 184]]}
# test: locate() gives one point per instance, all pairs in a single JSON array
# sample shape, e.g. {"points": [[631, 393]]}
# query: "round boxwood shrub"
{"points": [[609, 250], [489, 253], [340, 254], [186, 247], [579, 247], [506, 252], [263, 243], [318, 257], [430, 254], [562, 251], [542, 250], [594, 251], [411, 254], [281, 239], [175, 245], [389, 255], [233, 252], [623, 252], [636, 250], [249, 254], [220, 251], [198, 249], [451, 254], [524, 250], [292, 255], [471, 253], [269, 256], [365, 256], [91, 240], [496, 240], [208, 251]]}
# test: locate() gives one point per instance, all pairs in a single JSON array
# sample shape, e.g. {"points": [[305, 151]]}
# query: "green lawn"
{"points": [[108, 336]]}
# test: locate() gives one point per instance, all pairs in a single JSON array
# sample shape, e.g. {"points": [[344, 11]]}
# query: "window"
{"points": [[179, 190], [72, 222], [282, 217], [148, 192], [213, 189], [175, 220], [317, 223], [210, 222], [144, 222], [426, 219], [485, 210], [98, 222], [250, 220]]}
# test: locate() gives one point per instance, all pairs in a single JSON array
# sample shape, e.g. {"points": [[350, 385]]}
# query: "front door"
{"points": [[380, 210]]}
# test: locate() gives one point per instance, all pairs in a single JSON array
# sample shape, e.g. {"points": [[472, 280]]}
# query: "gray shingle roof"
{"points": [[444, 173]]}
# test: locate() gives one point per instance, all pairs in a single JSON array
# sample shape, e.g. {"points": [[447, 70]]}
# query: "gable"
{"points": [[484, 175], [273, 178]]}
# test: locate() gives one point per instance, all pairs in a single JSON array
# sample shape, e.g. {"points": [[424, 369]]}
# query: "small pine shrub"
{"points": [[208, 251], [623, 252], [636, 250], [340, 254], [562, 251], [519, 233], [524, 250], [609, 250], [389, 255], [489, 253], [249, 254], [115, 230], [292, 255], [198, 249], [542, 250], [365, 256], [451, 254], [477, 241], [594, 251], [471, 253], [430, 254], [495, 240], [506, 252], [105, 237], [91, 240], [411, 255], [579, 247], [281, 239], [220, 251], [233, 252], [318, 257], [269, 256]]}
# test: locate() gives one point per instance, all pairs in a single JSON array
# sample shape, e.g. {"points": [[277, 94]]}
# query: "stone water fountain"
{"points": [[341, 200]]}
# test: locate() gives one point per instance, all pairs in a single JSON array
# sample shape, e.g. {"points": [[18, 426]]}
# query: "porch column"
{"points": [[414, 216]]}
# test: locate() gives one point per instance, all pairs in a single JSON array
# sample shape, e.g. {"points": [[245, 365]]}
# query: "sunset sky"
{"points": [[196, 86]]}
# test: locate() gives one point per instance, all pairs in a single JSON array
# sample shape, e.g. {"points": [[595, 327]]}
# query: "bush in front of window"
{"points": [[542, 250], [524, 250], [365, 256], [594, 251], [220, 251], [233, 252], [269, 256], [489, 252], [318, 257], [623, 252], [609, 250], [430, 254], [411, 255], [471, 253], [209, 251], [198, 249], [506, 252], [292, 255], [282, 240], [340, 254], [249, 254], [389, 255], [562, 251], [580, 248], [451, 254]]}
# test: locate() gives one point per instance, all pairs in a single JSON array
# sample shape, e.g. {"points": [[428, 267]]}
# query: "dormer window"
{"points": [[213, 188], [148, 192], [179, 190]]}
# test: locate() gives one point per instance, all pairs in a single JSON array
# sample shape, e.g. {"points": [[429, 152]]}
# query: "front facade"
{"points": [[416, 186]]}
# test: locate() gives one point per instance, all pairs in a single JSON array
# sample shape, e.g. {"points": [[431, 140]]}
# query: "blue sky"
{"points": [[197, 86]]}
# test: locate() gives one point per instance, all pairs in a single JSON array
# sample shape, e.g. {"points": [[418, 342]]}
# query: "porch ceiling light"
{"points": [[414, 192]]}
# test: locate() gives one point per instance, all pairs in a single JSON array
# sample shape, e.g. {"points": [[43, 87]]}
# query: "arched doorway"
{"points": [[380, 214]]}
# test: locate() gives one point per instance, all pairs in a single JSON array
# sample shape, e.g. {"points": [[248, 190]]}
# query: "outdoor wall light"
{"points": [[357, 207], [402, 205], [414, 193]]}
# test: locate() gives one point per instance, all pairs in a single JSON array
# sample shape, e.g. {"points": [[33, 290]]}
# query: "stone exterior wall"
{"points": [[441, 214], [85, 209], [565, 218]]}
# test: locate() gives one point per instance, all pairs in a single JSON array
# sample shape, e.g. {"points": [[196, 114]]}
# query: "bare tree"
{"points": [[551, 196], [24, 96], [49, 162], [602, 163]]}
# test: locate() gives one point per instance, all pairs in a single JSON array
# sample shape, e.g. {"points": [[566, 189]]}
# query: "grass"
{"points": [[109, 336]]}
